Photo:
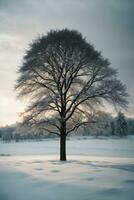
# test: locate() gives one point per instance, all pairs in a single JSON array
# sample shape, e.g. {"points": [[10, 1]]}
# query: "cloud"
{"points": [[108, 25]]}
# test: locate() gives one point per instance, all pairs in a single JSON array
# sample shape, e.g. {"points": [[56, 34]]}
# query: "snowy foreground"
{"points": [[97, 169]]}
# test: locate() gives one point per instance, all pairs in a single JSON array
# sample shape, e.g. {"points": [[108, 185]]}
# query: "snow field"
{"points": [[33, 170]]}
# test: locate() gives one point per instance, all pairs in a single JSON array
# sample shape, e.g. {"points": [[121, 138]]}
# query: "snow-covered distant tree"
{"points": [[121, 125], [113, 127], [64, 78], [0, 133], [130, 124], [7, 133], [103, 124]]}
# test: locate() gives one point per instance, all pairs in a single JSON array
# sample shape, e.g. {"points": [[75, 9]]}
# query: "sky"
{"points": [[107, 24]]}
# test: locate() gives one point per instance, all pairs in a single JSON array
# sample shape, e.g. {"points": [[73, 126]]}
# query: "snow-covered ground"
{"points": [[97, 169]]}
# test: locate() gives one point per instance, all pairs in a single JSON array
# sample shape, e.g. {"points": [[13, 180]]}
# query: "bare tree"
{"points": [[65, 78], [121, 125]]}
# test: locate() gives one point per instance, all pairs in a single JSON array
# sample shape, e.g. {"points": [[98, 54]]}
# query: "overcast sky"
{"points": [[107, 24]]}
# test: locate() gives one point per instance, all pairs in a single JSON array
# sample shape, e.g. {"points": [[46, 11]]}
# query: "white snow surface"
{"points": [[96, 169]]}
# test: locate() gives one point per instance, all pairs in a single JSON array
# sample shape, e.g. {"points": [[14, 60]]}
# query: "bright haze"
{"points": [[108, 25]]}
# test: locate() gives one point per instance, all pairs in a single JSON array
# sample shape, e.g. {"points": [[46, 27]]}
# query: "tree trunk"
{"points": [[63, 142], [63, 148]]}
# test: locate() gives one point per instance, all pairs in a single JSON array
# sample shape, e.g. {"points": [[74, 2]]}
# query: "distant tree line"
{"points": [[17, 133], [105, 125]]}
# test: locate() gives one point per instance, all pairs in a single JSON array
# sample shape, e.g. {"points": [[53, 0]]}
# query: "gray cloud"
{"points": [[108, 25]]}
